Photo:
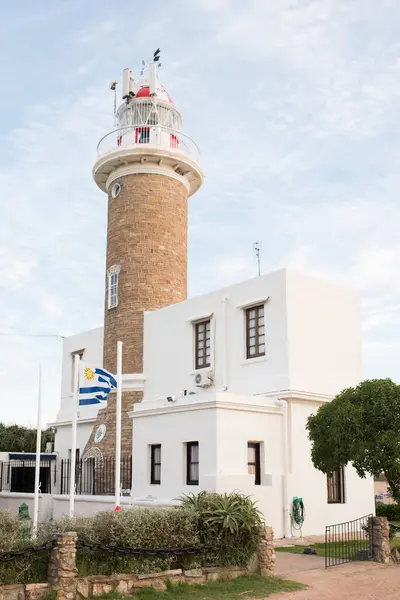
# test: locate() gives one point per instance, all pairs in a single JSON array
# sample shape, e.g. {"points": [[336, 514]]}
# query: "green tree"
{"points": [[360, 426], [16, 438]]}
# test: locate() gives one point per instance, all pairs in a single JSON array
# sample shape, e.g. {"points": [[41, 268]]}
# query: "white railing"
{"points": [[153, 135]]}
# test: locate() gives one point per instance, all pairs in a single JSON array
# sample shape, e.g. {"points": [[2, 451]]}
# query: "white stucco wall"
{"points": [[324, 335], [170, 369], [310, 484], [11, 501], [63, 437], [91, 342], [223, 424], [313, 339]]}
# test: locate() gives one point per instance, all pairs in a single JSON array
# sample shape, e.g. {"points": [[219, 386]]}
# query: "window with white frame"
{"points": [[79, 353], [202, 331], [113, 288], [255, 331]]}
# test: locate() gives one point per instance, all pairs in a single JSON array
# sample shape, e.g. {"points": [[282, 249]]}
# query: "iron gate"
{"points": [[348, 542]]}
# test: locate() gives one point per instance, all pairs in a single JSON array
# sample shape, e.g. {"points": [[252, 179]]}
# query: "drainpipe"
{"points": [[285, 507], [224, 345]]}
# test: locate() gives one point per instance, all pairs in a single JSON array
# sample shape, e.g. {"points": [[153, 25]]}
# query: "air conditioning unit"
{"points": [[204, 378]]}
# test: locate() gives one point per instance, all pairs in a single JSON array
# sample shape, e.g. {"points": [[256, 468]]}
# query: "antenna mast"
{"points": [[257, 252]]}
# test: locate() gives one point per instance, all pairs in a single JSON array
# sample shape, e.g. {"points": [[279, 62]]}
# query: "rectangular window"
{"points": [[253, 461], [335, 487], [73, 354], [192, 463], [255, 331], [203, 344], [155, 475], [113, 290]]}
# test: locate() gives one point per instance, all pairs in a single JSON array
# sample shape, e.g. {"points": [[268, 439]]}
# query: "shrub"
{"points": [[30, 568], [135, 528], [391, 511], [229, 523]]}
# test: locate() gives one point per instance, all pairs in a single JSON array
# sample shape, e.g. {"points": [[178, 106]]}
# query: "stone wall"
{"points": [[379, 535], [266, 552], [63, 578]]}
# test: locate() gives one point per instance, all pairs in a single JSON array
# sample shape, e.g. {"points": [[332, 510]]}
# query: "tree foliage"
{"points": [[16, 438], [360, 426]]}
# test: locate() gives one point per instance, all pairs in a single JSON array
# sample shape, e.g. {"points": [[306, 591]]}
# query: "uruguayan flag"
{"points": [[94, 385]]}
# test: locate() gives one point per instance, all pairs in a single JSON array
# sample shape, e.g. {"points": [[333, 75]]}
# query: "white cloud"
{"points": [[294, 106]]}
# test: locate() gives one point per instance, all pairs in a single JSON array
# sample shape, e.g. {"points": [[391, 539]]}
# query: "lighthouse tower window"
{"points": [[113, 290]]}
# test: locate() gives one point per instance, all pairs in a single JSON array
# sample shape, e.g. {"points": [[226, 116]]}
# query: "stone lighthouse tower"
{"points": [[148, 168]]}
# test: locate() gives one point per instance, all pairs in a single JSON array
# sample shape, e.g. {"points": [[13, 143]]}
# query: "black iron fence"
{"points": [[348, 542], [95, 476], [19, 476]]}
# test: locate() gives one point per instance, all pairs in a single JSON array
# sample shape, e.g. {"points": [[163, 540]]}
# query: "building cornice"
{"points": [[68, 423], [297, 395], [207, 405]]}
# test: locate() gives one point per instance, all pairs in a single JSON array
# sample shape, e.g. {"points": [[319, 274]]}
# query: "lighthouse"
{"points": [[148, 168]]}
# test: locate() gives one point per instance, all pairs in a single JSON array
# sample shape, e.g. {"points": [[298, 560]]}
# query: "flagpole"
{"points": [[37, 462], [75, 400], [118, 414]]}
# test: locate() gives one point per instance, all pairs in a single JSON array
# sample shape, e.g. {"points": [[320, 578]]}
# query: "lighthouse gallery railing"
{"points": [[153, 135]]}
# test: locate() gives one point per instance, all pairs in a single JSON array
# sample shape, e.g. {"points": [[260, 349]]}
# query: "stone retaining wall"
{"points": [[63, 578], [381, 551]]}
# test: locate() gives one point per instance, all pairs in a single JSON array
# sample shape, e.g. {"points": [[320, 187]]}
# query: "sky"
{"points": [[295, 107]]}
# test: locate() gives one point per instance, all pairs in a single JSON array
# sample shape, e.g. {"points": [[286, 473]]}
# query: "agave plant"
{"points": [[233, 512]]}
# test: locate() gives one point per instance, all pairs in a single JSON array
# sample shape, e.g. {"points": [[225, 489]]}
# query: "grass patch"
{"points": [[238, 589], [335, 549]]}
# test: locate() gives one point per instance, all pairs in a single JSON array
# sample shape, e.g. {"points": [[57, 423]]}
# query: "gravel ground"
{"points": [[354, 581]]}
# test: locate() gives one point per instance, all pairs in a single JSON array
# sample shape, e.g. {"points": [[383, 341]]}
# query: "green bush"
{"points": [[135, 528], [391, 511], [30, 568], [229, 523]]}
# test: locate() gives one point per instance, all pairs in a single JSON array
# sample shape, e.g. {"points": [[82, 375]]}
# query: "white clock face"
{"points": [[100, 433]]}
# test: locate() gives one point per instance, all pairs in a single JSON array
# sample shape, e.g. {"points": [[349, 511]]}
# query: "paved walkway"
{"points": [[287, 563], [355, 581]]}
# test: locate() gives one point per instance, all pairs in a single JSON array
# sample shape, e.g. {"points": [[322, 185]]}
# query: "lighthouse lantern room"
{"points": [[147, 117]]}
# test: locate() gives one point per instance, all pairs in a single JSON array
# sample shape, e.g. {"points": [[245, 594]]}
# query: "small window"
{"points": [[116, 190], [335, 487], [192, 463], [113, 290], [73, 354], [255, 331], [155, 475], [202, 344], [253, 461]]}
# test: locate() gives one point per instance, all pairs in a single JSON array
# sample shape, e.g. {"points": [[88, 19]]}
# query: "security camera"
{"points": [[113, 85], [171, 398]]}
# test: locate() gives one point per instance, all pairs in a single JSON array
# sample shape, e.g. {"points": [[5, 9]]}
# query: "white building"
{"points": [[230, 379], [89, 345]]}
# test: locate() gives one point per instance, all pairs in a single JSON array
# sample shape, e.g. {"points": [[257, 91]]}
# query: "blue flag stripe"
{"points": [[88, 401], [110, 378], [93, 389]]}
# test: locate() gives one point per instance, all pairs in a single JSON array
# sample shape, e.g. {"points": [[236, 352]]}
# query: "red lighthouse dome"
{"points": [[144, 92]]}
